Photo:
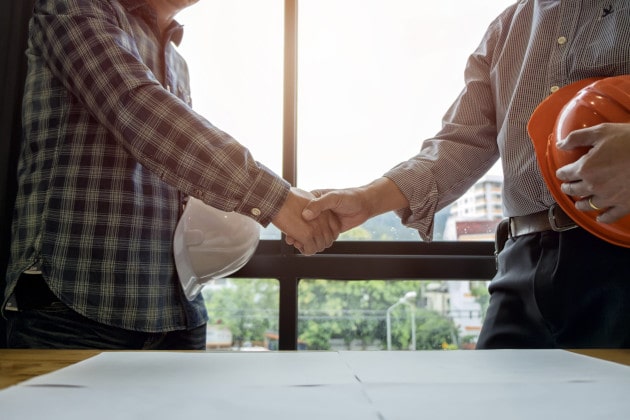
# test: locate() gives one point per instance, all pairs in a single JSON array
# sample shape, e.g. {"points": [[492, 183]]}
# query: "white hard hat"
{"points": [[210, 244]]}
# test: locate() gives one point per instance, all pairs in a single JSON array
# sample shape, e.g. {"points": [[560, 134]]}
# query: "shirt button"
{"points": [[554, 89], [562, 40], [255, 212]]}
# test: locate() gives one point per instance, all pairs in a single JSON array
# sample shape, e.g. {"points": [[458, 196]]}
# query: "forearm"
{"points": [[381, 196]]}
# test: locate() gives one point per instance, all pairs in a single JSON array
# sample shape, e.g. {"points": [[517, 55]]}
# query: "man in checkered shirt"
{"points": [[111, 147], [557, 285]]}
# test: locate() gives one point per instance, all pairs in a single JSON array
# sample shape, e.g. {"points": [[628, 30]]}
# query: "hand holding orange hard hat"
{"points": [[597, 112]]}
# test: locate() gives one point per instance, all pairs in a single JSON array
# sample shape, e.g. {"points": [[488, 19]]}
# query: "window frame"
{"points": [[363, 260], [348, 260]]}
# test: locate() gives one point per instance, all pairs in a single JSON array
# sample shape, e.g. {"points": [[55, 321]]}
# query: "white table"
{"points": [[501, 384]]}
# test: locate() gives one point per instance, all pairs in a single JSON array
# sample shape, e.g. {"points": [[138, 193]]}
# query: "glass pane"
{"points": [[234, 51], [396, 315], [375, 78], [243, 314]]}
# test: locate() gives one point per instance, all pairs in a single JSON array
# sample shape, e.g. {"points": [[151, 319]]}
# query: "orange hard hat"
{"points": [[579, 105]]}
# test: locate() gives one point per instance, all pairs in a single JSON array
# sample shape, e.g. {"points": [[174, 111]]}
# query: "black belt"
{"points": [[552, 219]]}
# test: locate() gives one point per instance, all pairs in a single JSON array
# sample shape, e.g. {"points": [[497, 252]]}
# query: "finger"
{"points": [[312, 240], [569, 172], [567, 188], [605, 214], [612, 214], [330, 228], [321, 236], [298, 245], [329, 237], [575, 189], [307, 250], [335, 225], [588, 204], [578, 138], [316, 206], [331, 231], [319, 193]]}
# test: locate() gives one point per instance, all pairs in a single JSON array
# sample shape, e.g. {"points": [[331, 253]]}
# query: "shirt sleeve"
{"points": [[463, 151], [89, 49]]}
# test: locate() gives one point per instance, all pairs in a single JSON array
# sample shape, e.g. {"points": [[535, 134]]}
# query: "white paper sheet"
{"points": [[489, 385], [483, 367]]}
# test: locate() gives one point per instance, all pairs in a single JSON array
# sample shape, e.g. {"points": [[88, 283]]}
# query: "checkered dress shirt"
{"points": [[110, 147], [533, 48]]}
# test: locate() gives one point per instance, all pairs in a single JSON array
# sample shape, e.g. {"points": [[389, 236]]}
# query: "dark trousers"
{"points": [[43, 321], [559, 290]]}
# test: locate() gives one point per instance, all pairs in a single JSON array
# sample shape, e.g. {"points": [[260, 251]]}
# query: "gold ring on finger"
{"points": [[590, 203]]}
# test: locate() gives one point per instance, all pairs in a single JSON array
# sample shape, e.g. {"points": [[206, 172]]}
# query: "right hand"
{"points": [[354, 206], [308, 236], [350, 205]]}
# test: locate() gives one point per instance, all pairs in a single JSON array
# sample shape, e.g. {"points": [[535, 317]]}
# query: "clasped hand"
{"points": [[339, 210], [308, 236]]}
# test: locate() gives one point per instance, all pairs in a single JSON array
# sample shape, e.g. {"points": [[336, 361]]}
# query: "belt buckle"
{"points": [[552, 221]]}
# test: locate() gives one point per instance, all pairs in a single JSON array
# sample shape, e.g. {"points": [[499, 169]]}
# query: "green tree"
{"points": [[434, 330], [356, 310], [347, 311], [248, 307], [317, 335]]}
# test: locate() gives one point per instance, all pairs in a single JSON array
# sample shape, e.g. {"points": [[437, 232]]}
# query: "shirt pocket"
{"points": [[606, 43]]}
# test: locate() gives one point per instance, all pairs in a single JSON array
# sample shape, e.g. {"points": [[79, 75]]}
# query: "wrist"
{"points": [[383, 195]]}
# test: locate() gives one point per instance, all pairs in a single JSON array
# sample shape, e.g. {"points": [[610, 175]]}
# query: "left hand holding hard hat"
{"points": [[581, 137], [602, 174]]}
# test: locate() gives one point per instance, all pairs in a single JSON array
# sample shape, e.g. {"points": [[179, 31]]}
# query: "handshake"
{"points": [[313, 221]]}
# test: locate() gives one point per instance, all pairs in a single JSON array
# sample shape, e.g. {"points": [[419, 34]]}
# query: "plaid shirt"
{"points": [[111, 145], [530, 50]]}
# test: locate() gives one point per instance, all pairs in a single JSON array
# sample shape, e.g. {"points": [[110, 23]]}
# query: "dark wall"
{"points": [[14, 15]]}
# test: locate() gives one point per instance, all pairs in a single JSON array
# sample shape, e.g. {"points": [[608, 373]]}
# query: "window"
{"points": [[373, 80], [234, 51]]}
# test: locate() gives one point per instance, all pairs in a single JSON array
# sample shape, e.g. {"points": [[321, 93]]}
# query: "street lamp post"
{"points": [[405, 300]]}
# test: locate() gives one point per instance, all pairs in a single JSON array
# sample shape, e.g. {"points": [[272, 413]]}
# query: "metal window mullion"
{"points": [[288, 313], [289, 135], [288, 305]]}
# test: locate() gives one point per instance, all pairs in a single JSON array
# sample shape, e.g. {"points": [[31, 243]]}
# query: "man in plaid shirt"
{"points": [[111, 147]]}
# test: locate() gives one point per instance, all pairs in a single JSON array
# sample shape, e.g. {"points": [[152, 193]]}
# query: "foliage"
{"points": [[434, 331], [317, 336], [248, 307], [355, 312], [352, 312]]}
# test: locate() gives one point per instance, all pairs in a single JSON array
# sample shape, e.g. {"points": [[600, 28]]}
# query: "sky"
{"points": [[374, 77]]}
